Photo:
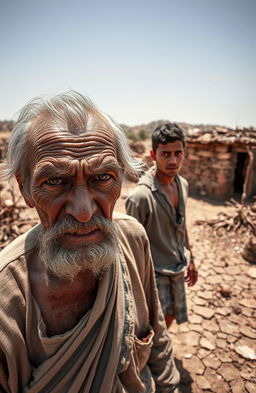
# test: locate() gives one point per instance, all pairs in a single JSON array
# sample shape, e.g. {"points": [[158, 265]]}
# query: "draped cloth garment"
{"points": [[93, 347], [120, 345]]}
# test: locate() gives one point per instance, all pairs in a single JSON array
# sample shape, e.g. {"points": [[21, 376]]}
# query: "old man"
{"points": [[79, 308]]}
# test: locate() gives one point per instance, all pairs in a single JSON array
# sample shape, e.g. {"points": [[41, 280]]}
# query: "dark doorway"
{"points": [[240, 171]]}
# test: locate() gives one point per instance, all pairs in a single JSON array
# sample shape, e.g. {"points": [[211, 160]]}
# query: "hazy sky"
{"points": [[188, 61]]}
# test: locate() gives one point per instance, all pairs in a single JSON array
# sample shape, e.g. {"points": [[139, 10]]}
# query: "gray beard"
{"points": [[67, 263]]}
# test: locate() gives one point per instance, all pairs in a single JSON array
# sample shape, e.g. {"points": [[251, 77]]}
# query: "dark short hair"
{"points": [[166, 133]]}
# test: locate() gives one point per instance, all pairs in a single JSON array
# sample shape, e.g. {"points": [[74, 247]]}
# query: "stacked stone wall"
{"points": [[210, 170]]}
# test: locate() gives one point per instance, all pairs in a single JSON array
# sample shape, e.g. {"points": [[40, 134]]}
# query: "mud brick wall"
{"points": [[209, 170]]}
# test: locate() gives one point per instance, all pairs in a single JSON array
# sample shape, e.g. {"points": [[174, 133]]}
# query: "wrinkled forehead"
{"points": [[96, 139]]}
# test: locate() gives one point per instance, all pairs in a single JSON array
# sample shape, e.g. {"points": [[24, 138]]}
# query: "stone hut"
{"points": [[221, 163]]}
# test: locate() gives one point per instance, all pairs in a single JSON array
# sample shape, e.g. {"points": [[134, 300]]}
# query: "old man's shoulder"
{"points": [[128, 224]]}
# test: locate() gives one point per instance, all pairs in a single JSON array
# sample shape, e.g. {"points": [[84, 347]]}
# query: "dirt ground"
{"points": [[215, 350]]}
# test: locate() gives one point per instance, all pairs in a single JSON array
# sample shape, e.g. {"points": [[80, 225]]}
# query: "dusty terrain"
{"points": [[216, 350]]}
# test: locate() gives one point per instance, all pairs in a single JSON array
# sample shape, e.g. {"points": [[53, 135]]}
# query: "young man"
{"points": [[79, 309], [158, 203]]}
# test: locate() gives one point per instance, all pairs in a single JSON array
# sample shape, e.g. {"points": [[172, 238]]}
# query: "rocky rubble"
{"points": [[14, 216]]}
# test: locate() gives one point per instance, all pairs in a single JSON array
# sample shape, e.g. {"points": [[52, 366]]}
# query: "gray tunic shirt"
{"points": [[165, 226]]}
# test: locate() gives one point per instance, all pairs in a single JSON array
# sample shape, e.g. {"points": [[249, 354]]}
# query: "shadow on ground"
{"points": [[185, 377]]}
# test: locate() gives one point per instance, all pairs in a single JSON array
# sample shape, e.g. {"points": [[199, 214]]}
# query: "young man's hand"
{"points": [[192, 274]]}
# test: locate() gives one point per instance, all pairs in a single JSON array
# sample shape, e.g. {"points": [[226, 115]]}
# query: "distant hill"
{"points": [[144, 131]]}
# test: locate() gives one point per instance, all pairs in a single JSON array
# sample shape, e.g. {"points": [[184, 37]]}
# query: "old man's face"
{"points": [[75, 183]]}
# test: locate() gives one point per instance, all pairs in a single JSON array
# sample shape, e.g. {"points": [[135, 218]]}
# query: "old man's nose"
{"points": [[81, 204]]}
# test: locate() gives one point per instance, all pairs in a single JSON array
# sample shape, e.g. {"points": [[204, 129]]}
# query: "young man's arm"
{"points": [[192, 273]]}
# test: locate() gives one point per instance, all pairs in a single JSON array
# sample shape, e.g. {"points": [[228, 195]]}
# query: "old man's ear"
{"points": [[24, 191]]}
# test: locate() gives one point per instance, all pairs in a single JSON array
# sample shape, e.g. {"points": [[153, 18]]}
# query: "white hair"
{"points": [[68, 111]]}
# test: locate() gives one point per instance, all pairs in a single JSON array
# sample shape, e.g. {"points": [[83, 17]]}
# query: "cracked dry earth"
{"points": [[215, 350]]}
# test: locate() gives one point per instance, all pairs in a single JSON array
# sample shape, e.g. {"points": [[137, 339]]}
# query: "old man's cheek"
{"points": [[117, 191]]}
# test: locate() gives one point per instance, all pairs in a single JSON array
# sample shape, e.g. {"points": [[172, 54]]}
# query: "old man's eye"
{"points": [[103, 177], [54, 181]]}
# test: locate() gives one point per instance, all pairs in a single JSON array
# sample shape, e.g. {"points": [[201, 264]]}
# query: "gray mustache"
{"points": [[70, 224]]}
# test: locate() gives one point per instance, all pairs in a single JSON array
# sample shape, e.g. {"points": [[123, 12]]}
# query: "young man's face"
{"points": [[169, 157]]}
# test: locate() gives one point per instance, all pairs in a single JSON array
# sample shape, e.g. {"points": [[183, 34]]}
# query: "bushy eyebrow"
{"points": [[49, 170], [61, 169], [111, 166]]}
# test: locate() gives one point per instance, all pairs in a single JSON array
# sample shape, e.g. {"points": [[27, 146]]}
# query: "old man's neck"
{"points": [[62, 303]]}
